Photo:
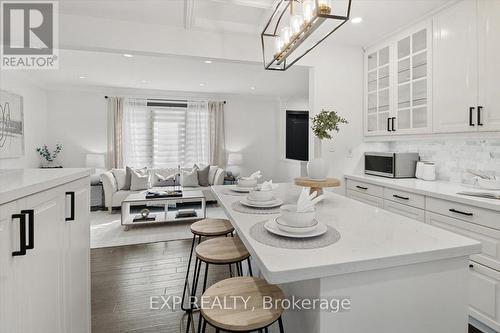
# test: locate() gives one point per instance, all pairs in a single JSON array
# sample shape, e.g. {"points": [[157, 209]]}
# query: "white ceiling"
{"points": [[169, 74], [380, 17]]}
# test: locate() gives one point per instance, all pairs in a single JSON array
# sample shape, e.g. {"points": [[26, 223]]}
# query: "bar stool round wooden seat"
{"points": [[217, 251], [241, 317], [204, 228], [212, 227]]}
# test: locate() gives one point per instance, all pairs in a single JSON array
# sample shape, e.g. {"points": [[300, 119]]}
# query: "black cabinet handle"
{"points": [[453, 210], [471, 266], [31, 228], [471, 111], [72, 208], [362, 187], [392, 121], [400, 197], [479, 109], [388, 124], [22, 235]]}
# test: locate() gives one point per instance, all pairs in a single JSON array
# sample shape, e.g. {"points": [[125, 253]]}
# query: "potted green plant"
{"points": [[323, 125], [48, 157]]}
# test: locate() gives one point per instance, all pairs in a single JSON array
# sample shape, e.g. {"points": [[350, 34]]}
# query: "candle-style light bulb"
{"points": [[325, 7], [308, 7]]}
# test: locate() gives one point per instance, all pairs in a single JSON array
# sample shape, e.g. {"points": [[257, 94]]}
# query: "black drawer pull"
{"points": [[362, 187], [72, 208], [388, 124], [471, 110], [31, 228], [479, 123], [471, 266], [400, 197], [22, 235], [453, 210]]}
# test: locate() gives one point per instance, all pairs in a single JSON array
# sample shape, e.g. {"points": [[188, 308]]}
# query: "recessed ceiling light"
{"points": [[202, 84], [252, 88], [357, 20], [208, 61], [82, 77], [128, 55], [144, 81]]}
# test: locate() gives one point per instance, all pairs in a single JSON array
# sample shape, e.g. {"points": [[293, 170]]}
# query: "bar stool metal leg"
{"points": [[249, 267], [280, 323], [204, 288], [186, 280]]}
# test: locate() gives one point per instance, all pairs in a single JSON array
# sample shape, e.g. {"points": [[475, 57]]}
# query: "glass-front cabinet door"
{"points": [[378, 88], [398, 84], [413, 81]]}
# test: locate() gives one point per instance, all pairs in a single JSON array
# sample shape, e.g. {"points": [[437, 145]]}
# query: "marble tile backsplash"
{"points": [[453, 157]]}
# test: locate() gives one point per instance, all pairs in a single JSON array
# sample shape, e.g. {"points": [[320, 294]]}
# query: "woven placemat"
{"points": [[228, 191], [238, 207], [261, 235]]}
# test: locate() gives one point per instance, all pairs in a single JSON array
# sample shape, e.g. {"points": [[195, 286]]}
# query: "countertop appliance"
{"points": [[391, 165]]}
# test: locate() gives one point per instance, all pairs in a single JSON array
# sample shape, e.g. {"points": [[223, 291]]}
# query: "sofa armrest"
{"points": [[109, 186], [219, 177]]}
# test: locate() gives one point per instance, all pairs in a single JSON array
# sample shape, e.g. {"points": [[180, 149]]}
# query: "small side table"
{"points": [[317, 185]]}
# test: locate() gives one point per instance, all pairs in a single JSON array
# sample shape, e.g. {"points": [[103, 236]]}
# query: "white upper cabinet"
{"points": [[466, 67], [378, 88], [489, 65], [455, 68], [397, 99], [413, 82]]}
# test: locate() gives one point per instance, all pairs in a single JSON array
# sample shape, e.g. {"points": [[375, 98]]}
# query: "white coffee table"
{"points": [[165, 216]]}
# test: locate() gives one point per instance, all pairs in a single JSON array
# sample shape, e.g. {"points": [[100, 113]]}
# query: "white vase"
{"points": [[317, 169]]}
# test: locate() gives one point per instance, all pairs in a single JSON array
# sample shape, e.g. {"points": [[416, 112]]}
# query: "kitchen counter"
{"points": [[438, 189], [18, 183], [381, 260]]}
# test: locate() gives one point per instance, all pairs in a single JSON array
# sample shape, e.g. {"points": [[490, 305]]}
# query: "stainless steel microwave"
{"points": [[392, 165]]}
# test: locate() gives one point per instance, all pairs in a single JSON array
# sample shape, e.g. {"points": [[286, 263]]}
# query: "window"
{"points": [[165, 135]]}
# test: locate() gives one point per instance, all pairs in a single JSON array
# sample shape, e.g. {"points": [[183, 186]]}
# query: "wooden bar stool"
{"points": [[205, 228], [217, 251], [241, 317]]}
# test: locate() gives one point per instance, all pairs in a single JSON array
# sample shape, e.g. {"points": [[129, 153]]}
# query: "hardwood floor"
{"points": [[124, 278]]}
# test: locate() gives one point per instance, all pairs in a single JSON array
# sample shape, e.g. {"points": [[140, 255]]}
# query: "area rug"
{"points": [[106, 230]]}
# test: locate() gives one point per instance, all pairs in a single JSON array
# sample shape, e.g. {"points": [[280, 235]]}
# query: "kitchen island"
{"points": [[398, 274]]}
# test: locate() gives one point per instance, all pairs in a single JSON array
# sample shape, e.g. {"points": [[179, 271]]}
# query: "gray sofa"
{"points": [[113, 195]]}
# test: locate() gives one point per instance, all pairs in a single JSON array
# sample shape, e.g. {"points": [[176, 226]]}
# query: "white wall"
{"points": [[336, 83], [78, 121], [252, 129], [35, 122]]}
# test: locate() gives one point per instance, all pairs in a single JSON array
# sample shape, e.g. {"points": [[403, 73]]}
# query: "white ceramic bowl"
{"points": [[291, 217], [259, 195], [247, 182], [488, 184]]}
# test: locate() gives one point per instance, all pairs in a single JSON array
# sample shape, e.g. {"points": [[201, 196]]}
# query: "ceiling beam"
{"points": [[263, 4], [188, 13]]}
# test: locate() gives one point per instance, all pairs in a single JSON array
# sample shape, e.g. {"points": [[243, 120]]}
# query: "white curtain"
{"points": [[197, 133], [115, 132], [217, 142], [137, 129]]}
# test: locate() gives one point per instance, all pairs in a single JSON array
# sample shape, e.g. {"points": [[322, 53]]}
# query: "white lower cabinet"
{"points": [[366, 198], [484, 295], [408, 211], [467, 220], [44, 272]]}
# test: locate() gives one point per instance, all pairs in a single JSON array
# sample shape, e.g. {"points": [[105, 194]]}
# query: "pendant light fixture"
{"points": [[298, 26]]}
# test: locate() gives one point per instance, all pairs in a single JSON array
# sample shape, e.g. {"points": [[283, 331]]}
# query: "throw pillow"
{"points": [[128, 175], [190, 178], [160, 180], [203, 179], [120, 176], [139, 181], [212, 173]]}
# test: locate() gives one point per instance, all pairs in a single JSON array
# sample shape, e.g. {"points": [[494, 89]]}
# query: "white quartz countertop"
{"points": [[437, 189], [371, 238], [18, 183]]}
